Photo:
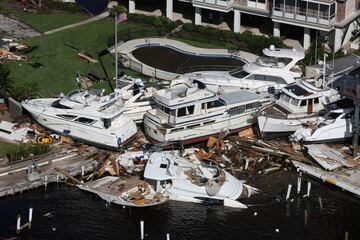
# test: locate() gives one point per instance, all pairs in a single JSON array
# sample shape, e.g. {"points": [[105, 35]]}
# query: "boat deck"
{"points": [[114, 186]]}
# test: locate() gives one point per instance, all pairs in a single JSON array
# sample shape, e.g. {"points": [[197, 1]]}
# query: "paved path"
{"points": [[96, 18]]}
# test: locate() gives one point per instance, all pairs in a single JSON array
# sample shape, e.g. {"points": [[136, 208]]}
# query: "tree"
{"points": [[5, 81], [37, 3], [117, 9]]}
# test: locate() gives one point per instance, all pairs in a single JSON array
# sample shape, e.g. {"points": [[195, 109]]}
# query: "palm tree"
{"points": [[5, 81]]}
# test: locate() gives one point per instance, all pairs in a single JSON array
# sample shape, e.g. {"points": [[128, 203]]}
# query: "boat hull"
{"points": [[269, 126], [99, 137], [193, 135]]}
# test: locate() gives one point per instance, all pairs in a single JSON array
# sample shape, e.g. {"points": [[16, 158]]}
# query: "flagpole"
{"points": [[116, 55]]}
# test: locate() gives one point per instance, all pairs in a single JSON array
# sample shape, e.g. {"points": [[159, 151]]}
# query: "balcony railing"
{"points": [[313, 17], [220, 3]]}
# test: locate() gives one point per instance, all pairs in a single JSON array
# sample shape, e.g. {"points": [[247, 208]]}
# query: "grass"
{"points": [[4, 147], [43, 22], [60, 62]]}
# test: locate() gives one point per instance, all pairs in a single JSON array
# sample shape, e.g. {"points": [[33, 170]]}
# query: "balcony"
{"points": [[218, 5], [321, 15]]}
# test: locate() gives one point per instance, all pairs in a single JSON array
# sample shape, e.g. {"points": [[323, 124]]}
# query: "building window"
{"points": [[303, 103]]}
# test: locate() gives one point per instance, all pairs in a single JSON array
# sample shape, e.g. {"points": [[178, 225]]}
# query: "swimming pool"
{"points": [[171, 59]]}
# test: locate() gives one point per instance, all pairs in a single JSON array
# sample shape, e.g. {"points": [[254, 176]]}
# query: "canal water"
{"points": [[75, 214]]}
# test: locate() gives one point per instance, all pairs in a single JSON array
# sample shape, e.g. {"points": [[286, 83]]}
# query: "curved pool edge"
{"points": [[128, 60]]}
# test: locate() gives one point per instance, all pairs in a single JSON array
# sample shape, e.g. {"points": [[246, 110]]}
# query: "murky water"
{"points": [[81, 215]]}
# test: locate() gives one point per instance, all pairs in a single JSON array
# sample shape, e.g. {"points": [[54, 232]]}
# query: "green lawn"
{"points": [[4, 146], [43, 22], [60, 62], [46, 22]]}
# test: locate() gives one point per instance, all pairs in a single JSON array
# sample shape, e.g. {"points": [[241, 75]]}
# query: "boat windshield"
{"points": [[239, 73], [271, 62]]}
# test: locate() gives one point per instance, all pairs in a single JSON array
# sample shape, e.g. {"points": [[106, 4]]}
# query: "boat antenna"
{"points": [[101, 54]]}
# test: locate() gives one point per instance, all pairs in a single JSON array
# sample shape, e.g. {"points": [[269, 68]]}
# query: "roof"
{"points": [[297, 90], [239, 96]]}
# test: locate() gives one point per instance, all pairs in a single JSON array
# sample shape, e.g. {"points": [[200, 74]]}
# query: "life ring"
{"points": [[44, 139]]}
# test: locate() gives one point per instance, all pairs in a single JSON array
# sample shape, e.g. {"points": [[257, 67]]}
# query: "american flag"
{"points": [[122, 18]]}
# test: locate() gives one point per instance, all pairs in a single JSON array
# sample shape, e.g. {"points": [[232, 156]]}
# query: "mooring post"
{"points": [[30, 217], [57, 178], [45, 179], [18, 224], [288, 191], [82, 170], [321, 204], [299, 184], [142, 229], [167, 236], [308, 189], [305, 218]]}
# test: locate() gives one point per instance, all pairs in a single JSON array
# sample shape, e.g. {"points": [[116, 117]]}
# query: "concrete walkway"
{"points": [[96, 18]]}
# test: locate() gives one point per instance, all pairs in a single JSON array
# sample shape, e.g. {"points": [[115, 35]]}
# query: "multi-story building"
{"points": [[335, 18]]}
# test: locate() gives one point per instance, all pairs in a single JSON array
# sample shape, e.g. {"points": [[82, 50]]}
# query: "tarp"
{"points": [[93, 6]]}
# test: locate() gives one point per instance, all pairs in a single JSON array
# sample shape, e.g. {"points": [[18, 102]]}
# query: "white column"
{"points": [[276, 31], [338, 39], [197, 16], [307, 38], [131, 6], [237, 21], [169, 9]]}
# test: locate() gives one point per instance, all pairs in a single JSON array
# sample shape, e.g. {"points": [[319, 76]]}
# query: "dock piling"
{"points": [[321, 204], [30, 217], [142, 230], [308, 189], [299, 184], [82, 170], [288, 192], [18, 224], [167, 236], [305, 218], [45, 181]]}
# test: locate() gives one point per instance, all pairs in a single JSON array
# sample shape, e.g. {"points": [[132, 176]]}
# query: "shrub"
{"points": [[23, 150]]}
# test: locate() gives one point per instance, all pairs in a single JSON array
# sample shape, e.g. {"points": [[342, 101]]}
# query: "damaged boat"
{"points": [[335, 126], [273, 71], [299, 104], [190, 112], [194, 181], [90, 116], [13, 132], [132, 192]]}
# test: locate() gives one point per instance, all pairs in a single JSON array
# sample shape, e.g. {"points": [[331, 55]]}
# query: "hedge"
{"points": [[17, 152], [245, 41], [64, 6]]}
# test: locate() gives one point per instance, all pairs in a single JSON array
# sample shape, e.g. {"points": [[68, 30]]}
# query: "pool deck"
{"points": [[128, 60]]}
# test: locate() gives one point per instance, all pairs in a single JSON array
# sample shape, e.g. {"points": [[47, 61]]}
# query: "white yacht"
{"points": [[298, 104], [194, 182], [90, 116], [277, 69], [333, 126], [190, 112]]}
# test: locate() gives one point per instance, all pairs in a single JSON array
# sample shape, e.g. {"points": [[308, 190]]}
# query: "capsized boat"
{"points": [[90, 116], [132, 192], [273, 71], [334, 126], [190, 112], [194, 181], [299, 103]]}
